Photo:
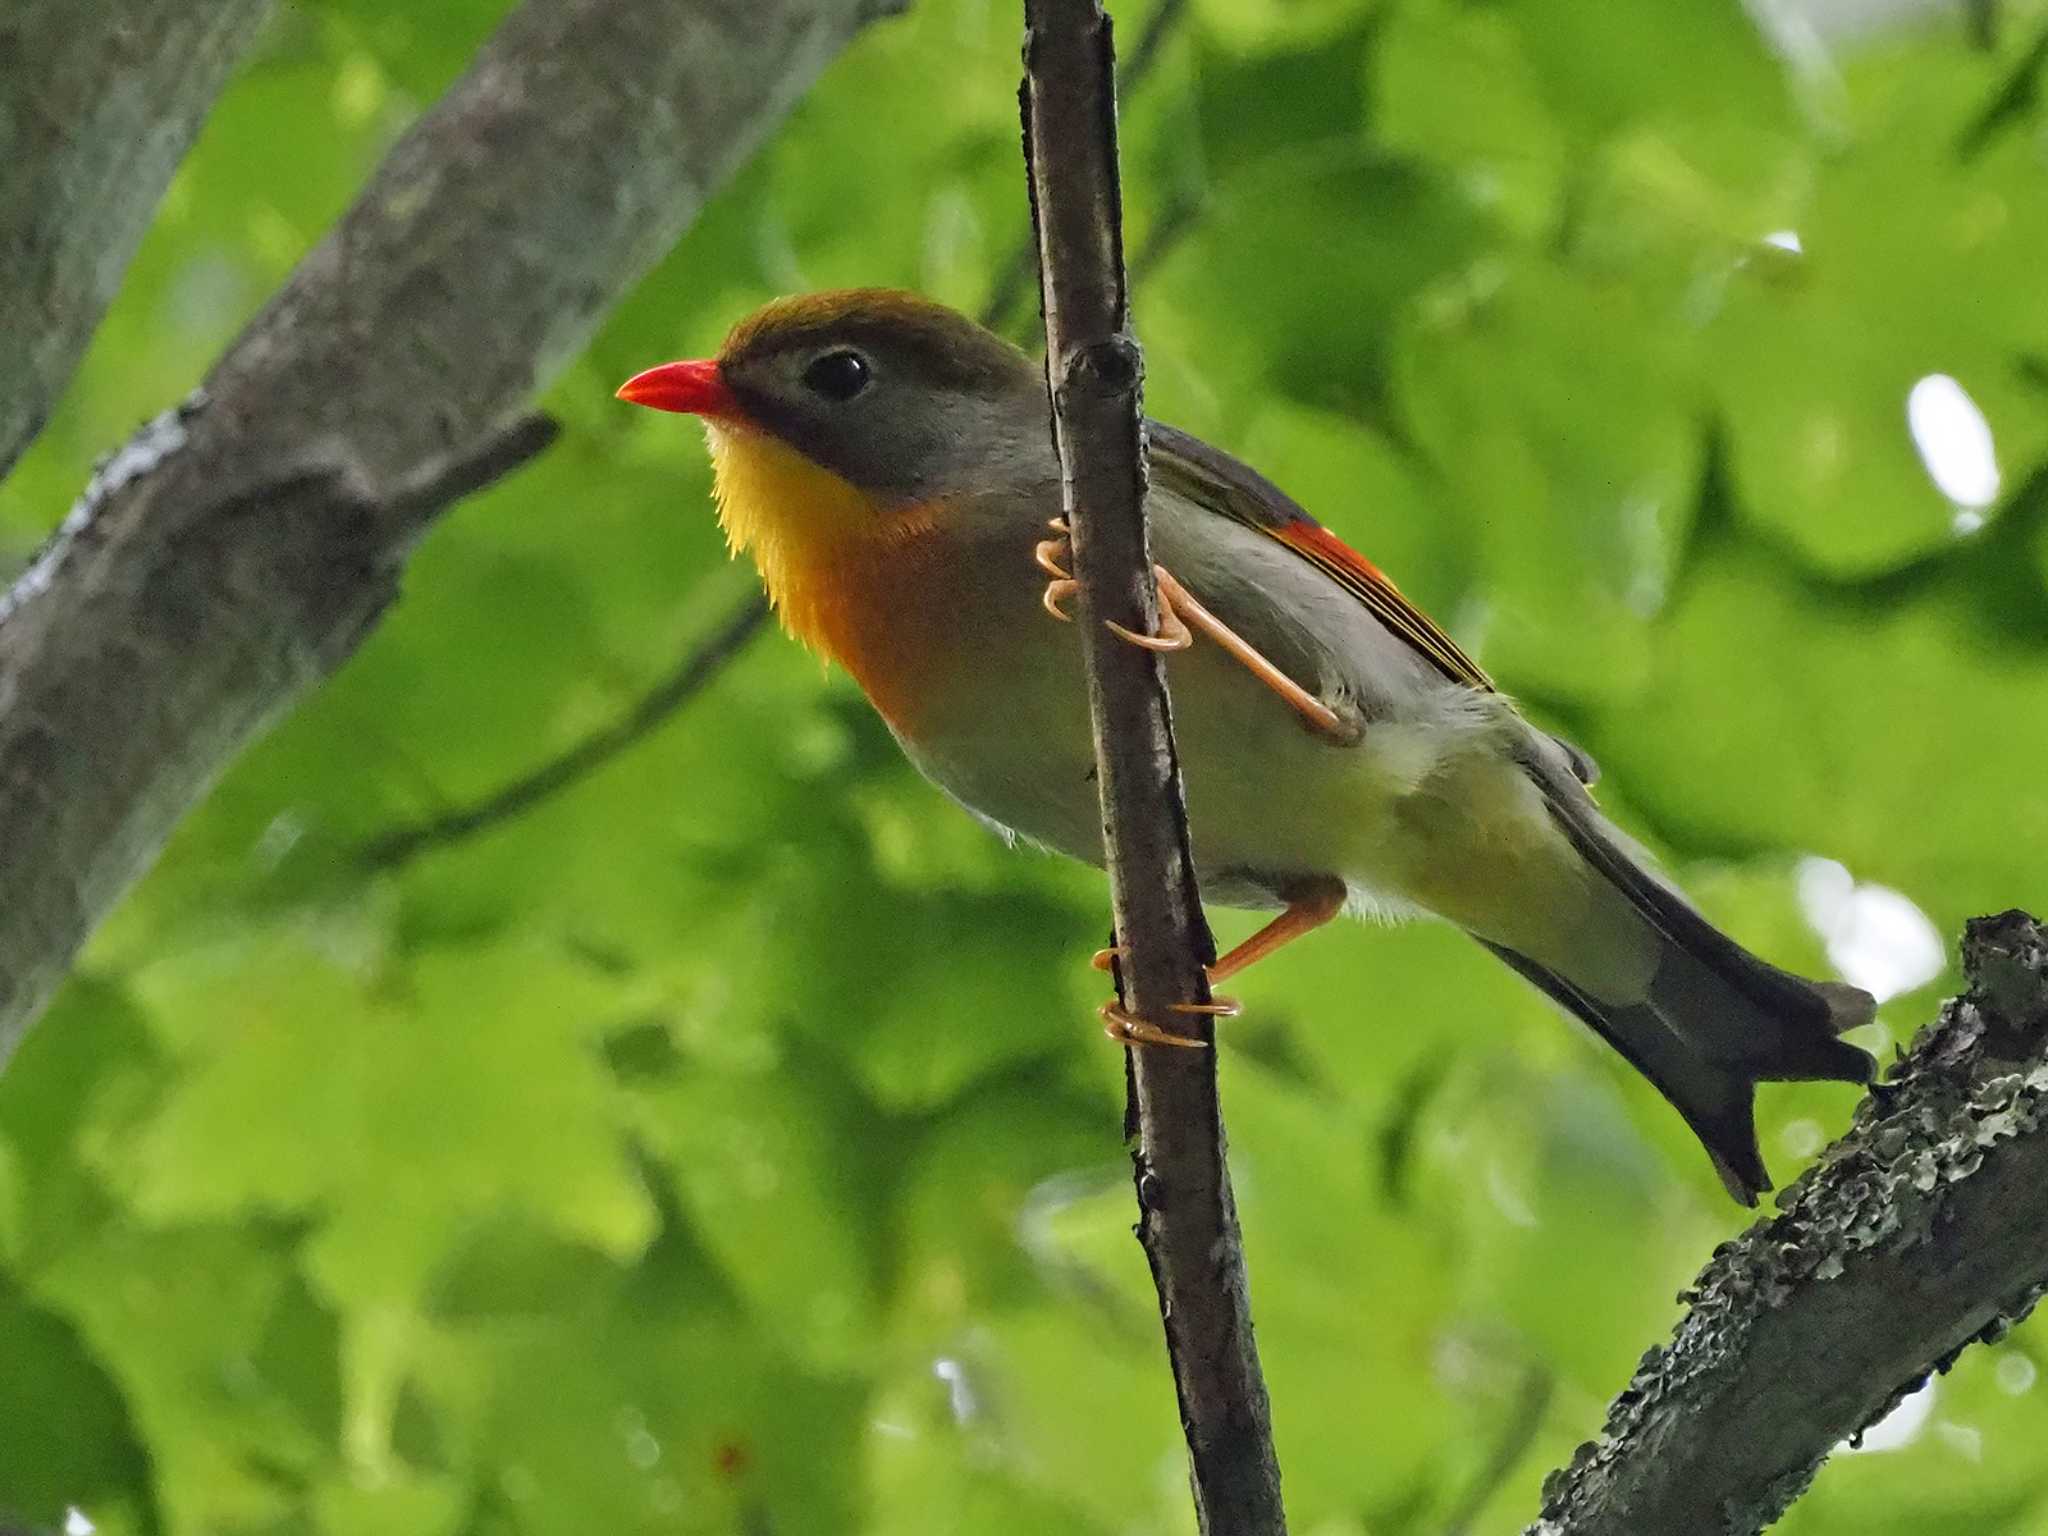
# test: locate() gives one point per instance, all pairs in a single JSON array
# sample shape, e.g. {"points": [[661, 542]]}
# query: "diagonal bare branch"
{"points": [[240, 547], [97, 107], [703, 662], [98, 104]]}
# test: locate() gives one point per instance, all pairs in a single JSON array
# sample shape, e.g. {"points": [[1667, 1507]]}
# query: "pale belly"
{"points": [[1270, 803], [1429, 809]]}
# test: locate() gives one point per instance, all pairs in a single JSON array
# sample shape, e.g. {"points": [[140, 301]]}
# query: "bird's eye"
{"points": [[837, 376]]}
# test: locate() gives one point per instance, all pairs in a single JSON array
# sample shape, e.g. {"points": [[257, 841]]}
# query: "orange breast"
{"points": [[882, 611], [863, 583]]}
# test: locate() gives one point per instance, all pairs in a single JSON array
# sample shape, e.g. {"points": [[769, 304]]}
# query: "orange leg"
{"points": [[1179, 609], [1304, 914]]}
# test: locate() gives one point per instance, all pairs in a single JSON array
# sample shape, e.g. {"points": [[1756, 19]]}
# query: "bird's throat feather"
{"points": [[849, 576]]}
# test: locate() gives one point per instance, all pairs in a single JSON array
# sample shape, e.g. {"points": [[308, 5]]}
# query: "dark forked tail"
{"points": [[1717, 1020]]}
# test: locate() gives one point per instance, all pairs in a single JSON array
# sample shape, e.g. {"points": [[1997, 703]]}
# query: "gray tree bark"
{"points": [[98, 104], [241, 545], [1923, 1230]]}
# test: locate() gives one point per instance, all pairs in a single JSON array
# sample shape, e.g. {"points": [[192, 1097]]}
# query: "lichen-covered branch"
{"points": [[1187, 1217], [98, 104], [241, 546], [1923, 1230]]}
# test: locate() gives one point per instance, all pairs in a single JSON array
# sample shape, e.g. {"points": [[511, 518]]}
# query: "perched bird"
{"points": [[889, 466]]}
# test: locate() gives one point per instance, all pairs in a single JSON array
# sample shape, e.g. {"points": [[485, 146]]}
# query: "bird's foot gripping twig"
{"points": [[1052, 556], [1180, 615], [1120, 1024], [1317, 902]]}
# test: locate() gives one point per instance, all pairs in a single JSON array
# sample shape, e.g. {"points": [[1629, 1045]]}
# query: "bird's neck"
{"points": [[861, 584]]}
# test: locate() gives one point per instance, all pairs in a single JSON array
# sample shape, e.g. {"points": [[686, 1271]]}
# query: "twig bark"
{"points": [[240, 547], [98, 104], [1187, 1217], [1013, 277], [1923, 1230]]}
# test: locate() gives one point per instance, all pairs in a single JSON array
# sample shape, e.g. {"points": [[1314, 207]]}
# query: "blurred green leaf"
{"points": [[1262, 107], [1815, 356], [1323, 343], [177, 1318], [778, 1175], [1432, 66], [65, 1434], [1572, 472], [1608, 66], [1881, 691], [1249, 26]]}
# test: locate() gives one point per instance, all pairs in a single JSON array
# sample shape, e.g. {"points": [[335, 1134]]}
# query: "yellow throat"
{"points": [[842, 568]]}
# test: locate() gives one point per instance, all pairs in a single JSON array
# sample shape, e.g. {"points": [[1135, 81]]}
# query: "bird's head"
{"points": [[845, 423]]}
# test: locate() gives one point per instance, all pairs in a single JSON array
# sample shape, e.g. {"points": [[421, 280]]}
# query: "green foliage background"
{"points": [[726, 1145]]}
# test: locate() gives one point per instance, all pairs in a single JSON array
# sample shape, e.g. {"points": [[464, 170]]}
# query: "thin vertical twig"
{"points": [[1187, 1216], [1013, 277], [1524, 1423]]}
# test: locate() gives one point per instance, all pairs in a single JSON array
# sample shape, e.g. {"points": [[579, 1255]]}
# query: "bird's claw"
{"points": [[1127, 1028], [1121, 1024], [1173, 634], [1054, 555], [1106, 960], [1051, 556], [1047, 554], [1215, 1008]]}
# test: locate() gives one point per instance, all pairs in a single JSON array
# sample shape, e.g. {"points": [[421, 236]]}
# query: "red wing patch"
{"points": [[1360, 577], [1218, 483]]}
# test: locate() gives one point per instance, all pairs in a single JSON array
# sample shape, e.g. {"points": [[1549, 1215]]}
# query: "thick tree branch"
{"points": [[1187, 1218], [98, 104], [240, 547], [1923, 1230]]}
